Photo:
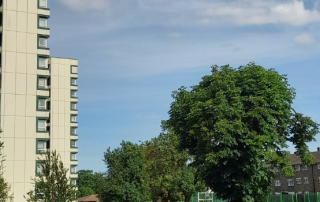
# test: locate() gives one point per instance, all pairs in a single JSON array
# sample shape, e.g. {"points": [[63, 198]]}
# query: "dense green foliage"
{"points": [[125, 181], [169, 176], [236, 123], [89, 183], [52, 183], [4, 186]]}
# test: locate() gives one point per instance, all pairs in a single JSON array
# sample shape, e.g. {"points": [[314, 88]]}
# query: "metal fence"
{"points": [[307, 197]]}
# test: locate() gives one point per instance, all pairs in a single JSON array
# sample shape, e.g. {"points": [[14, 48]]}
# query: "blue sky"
{"points": [[134, 53]]}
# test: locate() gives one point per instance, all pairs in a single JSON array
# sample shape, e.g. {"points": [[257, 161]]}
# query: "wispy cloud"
{"points": [[203, 12], [304, 39]]}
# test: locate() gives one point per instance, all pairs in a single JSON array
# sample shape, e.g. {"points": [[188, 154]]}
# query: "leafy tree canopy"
{"points": [[237, 123], [89, 183], [125, 181], [169, 176], [52, 183]]}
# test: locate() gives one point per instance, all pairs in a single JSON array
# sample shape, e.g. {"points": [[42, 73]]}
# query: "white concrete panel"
{"points": [[54, 69], [19, 191], [8, 128], [19, 149], [21, 63], [8, 170], [11, 41], [31, 84], [22, 21], [20, 126], [9, 83], [61, 132], [11, 4], [32, 63], [31, 127], [32, 23], [9, 104], [62, 120], [11, 20], [54, 119], [32, 6], [32, 43], [21, 84], [21, 42], [61, 97], [61, 82], [31, 106], [20, 105], [61, 145], [23, 5], [31, 149], [8, 149], [10, 65]]}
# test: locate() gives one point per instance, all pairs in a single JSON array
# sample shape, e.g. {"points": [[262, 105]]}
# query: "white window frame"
{"points": [[73, 182], [298, 180], [73, 169], [45, 146], [75, 93], [42, 128], [319, 166], [290, 182], [39, 169], [305, 180], [277, 169], [277, 183], [42, 62], [297, 167], [73, 118], [45, 20], [304, 167], [41, 107], [75, 130], [73, 83], [45, 45], [74, 69], [75, 144], [45, 81], [73, 157], [75, 106], [43, 5]]}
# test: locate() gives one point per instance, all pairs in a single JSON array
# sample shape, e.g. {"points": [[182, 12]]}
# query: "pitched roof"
{"points": [[294, 159], [91, 198]]}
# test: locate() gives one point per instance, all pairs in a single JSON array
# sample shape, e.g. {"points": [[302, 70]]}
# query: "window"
{"points": [[42, 104], [74, 69], [73, 169], [43, 22], [73, 143], [41, 146], [290, 182], [73, 106], [318, 166], [73, 131], [43, 4], [42, 125], [277, 183], [297, 167], [73, 119], [73, 182], [304, 167], [306, 180], [73, 81], [39, 168], [73, 93], [43, 42], [42, 62], [73, 157], [42, 84], [298, 180]]}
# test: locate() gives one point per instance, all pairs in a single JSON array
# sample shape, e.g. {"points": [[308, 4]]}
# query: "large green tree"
{"points": [[125, 180], [237, 123], [89, 183], [169, 176], [52, 184]]}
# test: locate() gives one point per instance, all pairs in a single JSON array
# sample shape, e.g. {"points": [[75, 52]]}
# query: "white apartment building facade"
{"points": [[38, 95]]}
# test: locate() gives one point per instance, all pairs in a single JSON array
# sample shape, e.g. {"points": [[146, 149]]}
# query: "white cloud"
{"points": [[83, 5], [205, 12], [303, 39]]}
